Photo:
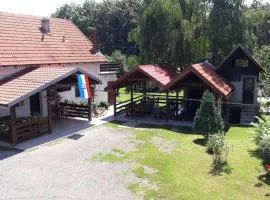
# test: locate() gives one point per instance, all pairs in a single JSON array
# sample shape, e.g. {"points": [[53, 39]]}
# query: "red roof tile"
{"points": [[203, 71], [149, 72], [30, 81], [21, 44]]}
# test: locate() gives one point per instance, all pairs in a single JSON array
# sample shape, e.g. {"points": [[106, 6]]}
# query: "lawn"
{"points": [[172, 164]]}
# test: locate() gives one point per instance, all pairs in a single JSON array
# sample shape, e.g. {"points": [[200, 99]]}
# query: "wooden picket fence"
{"points": [[72, 110]]}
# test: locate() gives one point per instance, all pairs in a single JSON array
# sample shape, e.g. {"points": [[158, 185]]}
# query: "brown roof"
{"points": [[21, 42], [144, 72], [31, 81], [203, 71]]}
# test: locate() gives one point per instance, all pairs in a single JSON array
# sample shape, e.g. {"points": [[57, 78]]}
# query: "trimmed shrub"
{"points": [[207, 120], [264, 145]]}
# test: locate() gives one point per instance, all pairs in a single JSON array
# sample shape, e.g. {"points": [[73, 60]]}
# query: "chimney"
{"points": [[94, 39], [45, 25]]}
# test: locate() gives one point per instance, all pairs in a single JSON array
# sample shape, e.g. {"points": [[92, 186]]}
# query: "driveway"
{"points": [[63, 170]]}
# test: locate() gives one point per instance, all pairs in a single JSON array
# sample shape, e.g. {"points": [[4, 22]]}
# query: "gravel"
{"points": [[63, 170]]}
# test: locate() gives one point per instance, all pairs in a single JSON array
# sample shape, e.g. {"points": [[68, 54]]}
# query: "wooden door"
{"points": [[248, 90]]}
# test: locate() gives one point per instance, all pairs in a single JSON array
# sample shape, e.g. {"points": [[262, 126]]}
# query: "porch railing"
{"points": [[29, 127], [72, 110]]}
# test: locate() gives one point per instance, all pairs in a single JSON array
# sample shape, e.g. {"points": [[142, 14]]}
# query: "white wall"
{"points": [[43, 103], [93, 69], [237, 94], [6, 71], [21, 111]]}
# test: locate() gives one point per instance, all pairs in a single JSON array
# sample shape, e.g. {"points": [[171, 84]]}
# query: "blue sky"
{"points": [[39, 7]]}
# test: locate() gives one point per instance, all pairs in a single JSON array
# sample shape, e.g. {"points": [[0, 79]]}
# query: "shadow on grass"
{"points": [[200, 141]]}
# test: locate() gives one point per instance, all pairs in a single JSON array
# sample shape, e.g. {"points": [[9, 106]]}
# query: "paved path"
{"points": [[62, 170]]}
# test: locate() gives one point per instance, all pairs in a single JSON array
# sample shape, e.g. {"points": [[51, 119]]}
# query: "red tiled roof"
{"points": [[21, 42], [30, 81], [208, 76], [149, 72]]}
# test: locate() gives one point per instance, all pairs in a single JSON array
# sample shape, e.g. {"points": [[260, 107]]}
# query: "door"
{"points": [[248, 90], [35, 104]]}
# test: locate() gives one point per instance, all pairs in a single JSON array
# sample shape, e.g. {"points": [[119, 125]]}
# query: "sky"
{"points": [[40, 7]]}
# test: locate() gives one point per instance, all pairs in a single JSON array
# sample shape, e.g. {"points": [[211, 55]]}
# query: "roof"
{"points": [[21, 42], [31, 81], [144, 72], [241, 47], [206, 73]]}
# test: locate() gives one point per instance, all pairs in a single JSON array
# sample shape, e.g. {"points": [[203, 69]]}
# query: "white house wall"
{"points": [[100, 94], [21, 111], [237, 94]]}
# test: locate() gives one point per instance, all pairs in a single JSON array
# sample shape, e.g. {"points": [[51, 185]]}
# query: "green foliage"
{"points": [[113, 20], [128, 62], [220, 148], [262, 54], [261, 129], [226, 27], [207, 120], [103, 104], [264, 145], [172, 33]]}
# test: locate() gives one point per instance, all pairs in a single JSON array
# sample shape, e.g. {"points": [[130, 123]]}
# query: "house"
{"points": [[234, 82], [39, 61]]}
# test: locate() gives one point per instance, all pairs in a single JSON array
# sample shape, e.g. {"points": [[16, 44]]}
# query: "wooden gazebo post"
{"points": [[114, 102], [13, 125], [177, 103], [168, 106], [131, 98]]}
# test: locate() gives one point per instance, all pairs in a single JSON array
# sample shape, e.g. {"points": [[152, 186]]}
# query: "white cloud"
{"points": [[33, 7], [41, 7]]}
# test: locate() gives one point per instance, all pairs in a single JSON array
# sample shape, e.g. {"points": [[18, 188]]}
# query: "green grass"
{"points": [[185, 173]]}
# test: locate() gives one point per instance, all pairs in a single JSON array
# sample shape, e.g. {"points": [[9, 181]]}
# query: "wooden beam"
{"points": [[13, 125], [49, 113], [90, 109]]}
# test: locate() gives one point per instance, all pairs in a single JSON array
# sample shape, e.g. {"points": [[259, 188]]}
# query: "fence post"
{"points": [[131, 98], [49, 113], [13, 125]]}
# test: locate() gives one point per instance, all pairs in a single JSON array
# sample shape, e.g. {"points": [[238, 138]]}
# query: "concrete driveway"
{"points": [[62, 170]]}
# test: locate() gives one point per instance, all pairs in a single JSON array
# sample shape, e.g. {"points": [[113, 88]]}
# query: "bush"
{"points": [[264, 145], [220, 148], [261, 130], [103, 104], [207, 120]]}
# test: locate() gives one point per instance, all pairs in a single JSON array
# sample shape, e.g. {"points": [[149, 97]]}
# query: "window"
{"points": [[63, 89], [241, 63]]}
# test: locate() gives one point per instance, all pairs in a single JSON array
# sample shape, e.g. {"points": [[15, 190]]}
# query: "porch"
{"points": [[43, 107]]}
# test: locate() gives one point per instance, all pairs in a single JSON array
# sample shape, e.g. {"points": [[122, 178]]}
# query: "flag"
{"points": [[84, 86]]}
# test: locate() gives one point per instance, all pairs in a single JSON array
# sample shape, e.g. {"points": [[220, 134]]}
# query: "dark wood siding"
{"points": [[232, 73]]}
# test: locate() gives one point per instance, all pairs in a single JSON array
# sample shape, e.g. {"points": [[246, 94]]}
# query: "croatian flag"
{"points": [[84, 86]]}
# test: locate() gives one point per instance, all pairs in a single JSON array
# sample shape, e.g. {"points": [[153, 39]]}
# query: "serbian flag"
{"points": [[84, 86]]}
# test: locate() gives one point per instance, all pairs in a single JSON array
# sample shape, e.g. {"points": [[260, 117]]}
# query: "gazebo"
{"points": [[193, 81]]}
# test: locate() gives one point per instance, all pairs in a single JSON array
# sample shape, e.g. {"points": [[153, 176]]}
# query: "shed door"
{"points": [[248, 90]]}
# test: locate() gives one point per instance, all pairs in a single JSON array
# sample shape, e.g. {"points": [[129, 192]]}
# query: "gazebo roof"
{"points": [[144, 72], [207, 75]]}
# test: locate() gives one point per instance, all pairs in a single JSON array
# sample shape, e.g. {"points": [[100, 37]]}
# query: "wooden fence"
{"points": [[72, 110], [29, 127]]}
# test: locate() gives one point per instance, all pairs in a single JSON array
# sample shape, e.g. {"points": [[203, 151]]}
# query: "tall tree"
{"points": [[113, 19], [161, 34], [226, 27]]}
